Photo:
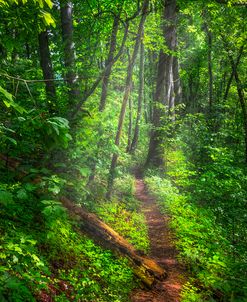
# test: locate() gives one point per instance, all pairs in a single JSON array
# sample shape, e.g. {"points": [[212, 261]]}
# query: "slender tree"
{"points": [[46, 66], [140, 100], [130, 125], [126, 95], [91, 90], [66, 8], [240, 91], [109, 61], [228, 86], [210, 66]]}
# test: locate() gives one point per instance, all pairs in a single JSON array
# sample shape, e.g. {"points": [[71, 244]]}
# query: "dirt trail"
{"points": [[162, 250]]}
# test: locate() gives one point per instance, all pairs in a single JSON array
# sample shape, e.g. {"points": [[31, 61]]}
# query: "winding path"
{"points": [[162, 250]]}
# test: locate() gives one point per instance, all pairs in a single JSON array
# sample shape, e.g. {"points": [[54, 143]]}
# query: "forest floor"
{"points": [[162, 250]]}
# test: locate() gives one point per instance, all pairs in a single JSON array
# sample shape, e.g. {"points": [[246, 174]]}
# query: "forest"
{"points": [[123, 150]]}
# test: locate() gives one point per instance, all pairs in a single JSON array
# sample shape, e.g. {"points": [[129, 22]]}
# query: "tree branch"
{"points": [[90, 91]]}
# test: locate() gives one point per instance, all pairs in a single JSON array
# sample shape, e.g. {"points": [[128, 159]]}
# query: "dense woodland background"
{"points": [[91, 90]]}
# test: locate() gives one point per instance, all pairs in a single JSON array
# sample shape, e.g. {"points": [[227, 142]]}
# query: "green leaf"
{"points": [[6, 94], [9, 102], [51, 202], [49, 3], [48, 19], [13, 141]]}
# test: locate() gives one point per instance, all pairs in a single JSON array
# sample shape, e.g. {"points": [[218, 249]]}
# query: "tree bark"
{"points": [[155, 154], [46, 66], [210, 68], [164, 94], [109, 62], [176, 81], [130, 125], [140, 100], [69, 49], [126, 96]]}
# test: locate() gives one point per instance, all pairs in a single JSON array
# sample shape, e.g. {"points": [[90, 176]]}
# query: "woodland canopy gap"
{"points": [[96, 98]]}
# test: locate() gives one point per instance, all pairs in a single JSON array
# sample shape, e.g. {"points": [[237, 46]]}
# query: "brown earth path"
{"points": [[162, 250]]}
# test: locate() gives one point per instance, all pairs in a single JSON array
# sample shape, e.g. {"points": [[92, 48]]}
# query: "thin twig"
{"points": [[38, 80], [30, 93]]}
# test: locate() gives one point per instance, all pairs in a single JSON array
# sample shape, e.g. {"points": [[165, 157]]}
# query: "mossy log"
{"points": [[146, 269]]}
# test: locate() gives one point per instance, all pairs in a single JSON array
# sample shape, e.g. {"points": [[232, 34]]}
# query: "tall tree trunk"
{"points": [[155, 153], [232, 73], [239, 88], [171, 41], [140, 100], [46, 66], [69, 49], [243, 106], [126, 95], [241, 101], [210, 67], [176, 81], [109, 62], [164, 93], [27, 50], [130, 125]]}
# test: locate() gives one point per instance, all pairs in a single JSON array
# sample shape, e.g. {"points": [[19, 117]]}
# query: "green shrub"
{"points": [[202, 243], [40, 248]]}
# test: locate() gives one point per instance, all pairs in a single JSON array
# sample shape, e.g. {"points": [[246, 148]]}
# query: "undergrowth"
{"points": [[123, 213], [204, 244], [43, 254]]}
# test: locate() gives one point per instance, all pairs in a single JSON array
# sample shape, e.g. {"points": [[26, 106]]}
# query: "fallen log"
{"points": [[146, 269]]}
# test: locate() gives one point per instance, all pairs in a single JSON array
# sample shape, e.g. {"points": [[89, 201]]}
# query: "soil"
{"points": [[162, 250]]}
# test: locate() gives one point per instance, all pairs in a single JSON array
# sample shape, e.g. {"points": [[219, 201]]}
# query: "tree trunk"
{"points": [[126, 95], [243, 106], [239, 89], [232, 73], [242, 103], [109, 62], [164, 94], [176, 81], [140, 100], [46, 66], [91, 90], [210, 69], [130, 125], [155, 154], [146, 269], [69, 49]]}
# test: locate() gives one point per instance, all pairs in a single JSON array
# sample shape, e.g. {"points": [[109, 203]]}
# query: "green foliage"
{"points": [[123, 213], [57, 128], [191, 294], [37, 238], [210, 239], [129, 223], [9, 102]]}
